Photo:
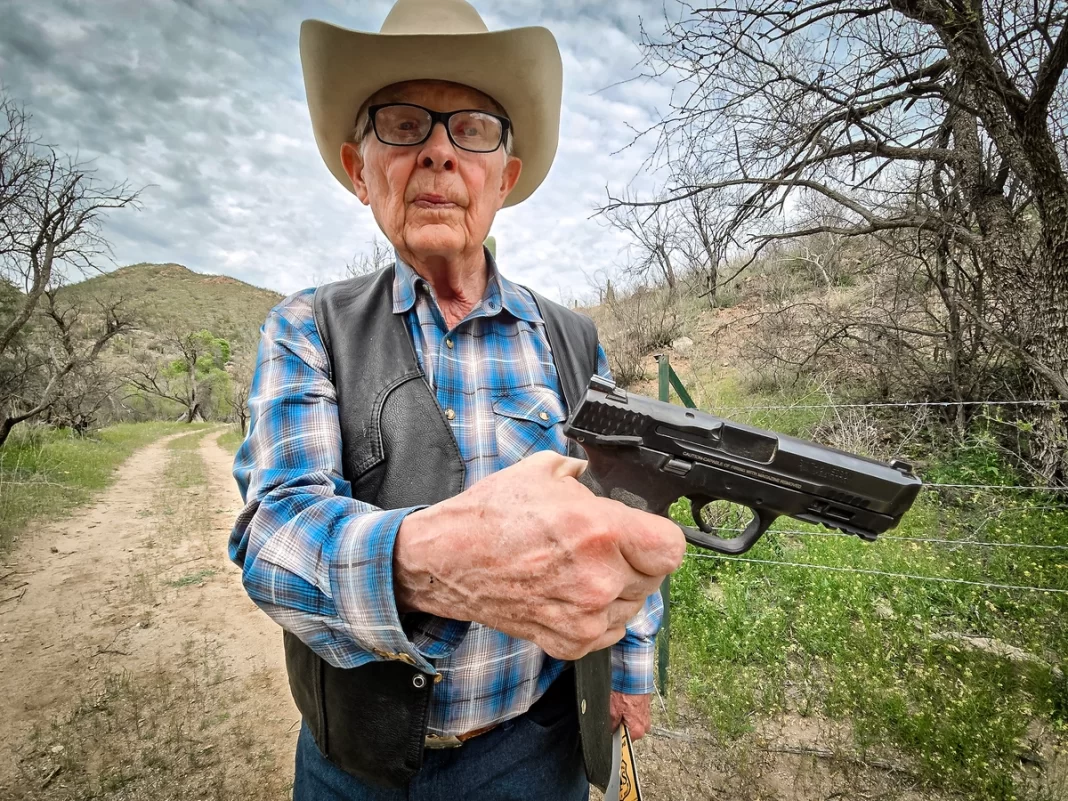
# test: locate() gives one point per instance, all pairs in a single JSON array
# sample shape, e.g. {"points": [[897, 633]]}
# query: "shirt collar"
{"points": [[500, 292]]}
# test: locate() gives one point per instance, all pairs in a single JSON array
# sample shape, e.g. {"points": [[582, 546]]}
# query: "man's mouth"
{"points": [[429, 200]]}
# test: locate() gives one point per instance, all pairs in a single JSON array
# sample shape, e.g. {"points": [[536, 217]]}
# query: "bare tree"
{"points": [[938, 129], [632, 323], [701, 224], [190, 378], [365, 263], [241, 371], [48, 356], [51, 208], [87, 392], [656, 241]]}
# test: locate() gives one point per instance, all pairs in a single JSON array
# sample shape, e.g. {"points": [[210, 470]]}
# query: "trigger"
{"points": [[696, 507]]}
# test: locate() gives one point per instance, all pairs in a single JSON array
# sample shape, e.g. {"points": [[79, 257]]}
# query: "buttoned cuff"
{"points": [[361, 583], [633, 659]]}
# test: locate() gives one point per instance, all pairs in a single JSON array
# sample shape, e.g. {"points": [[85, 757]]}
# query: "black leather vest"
{"points": [[398, 450]]}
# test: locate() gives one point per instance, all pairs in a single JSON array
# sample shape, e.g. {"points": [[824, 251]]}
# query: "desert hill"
{"points": [[170, 297]]}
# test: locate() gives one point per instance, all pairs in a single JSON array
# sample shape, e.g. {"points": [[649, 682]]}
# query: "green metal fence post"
{"points": [[663, 640]]}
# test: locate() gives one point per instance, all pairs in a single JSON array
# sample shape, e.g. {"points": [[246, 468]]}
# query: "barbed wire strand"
{"points": [[997, 487], [897, 537], [926, 485], [901, 405], [870, 572]]}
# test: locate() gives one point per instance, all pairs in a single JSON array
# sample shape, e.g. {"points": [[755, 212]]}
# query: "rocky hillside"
{"points": [[170, 297]]}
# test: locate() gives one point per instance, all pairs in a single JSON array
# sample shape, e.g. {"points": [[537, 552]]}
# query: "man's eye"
{"points": [[407, 125], [468, 128]]}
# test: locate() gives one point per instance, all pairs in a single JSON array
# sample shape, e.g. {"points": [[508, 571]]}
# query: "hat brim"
{"points": [[520, 68]]}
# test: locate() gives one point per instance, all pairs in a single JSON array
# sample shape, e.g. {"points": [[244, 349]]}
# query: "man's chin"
{"points": [[435, 240]]}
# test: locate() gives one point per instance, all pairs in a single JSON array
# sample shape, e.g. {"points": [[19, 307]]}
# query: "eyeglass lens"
{"points": [[410, 125]]}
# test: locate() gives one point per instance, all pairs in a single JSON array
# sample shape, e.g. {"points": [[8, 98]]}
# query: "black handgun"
{"points": [[649, 454]]}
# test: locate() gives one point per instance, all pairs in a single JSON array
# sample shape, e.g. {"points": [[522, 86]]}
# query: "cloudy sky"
{"points": [[202, 103]]}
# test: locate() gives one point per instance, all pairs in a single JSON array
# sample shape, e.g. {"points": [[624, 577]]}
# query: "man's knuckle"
{"points": [[603, 592], [589, 629], [568, 648], [556, 619], [589, 599]]}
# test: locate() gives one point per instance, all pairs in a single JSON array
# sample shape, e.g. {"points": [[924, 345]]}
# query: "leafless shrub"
{"points": [[635, 325], [365, 262]]}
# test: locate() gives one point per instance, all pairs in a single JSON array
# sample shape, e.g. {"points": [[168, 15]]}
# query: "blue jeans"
{"points": [[520, 760]]}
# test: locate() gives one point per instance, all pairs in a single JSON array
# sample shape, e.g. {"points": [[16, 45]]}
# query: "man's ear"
{"points": [[352, 161], [510, 175]]}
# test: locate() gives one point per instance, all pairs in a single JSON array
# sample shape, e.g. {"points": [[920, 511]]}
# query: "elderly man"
{"points": [[413, 519]]}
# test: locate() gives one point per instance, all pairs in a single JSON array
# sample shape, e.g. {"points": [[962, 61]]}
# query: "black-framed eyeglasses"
{"points": [[406, 124]]}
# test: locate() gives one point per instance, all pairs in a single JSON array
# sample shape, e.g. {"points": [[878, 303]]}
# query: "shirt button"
{"points": [[543, 415], [450, 414], [448, 343]]}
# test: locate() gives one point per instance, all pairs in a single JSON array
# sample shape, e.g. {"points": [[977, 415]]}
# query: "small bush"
{"points": [[636, 326]]}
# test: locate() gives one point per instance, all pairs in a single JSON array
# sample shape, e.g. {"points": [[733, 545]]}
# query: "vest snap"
{"points": [[419, 681]]}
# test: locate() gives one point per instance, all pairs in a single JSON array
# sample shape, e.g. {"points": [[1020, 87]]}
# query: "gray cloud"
{"points": [[202, 103]]}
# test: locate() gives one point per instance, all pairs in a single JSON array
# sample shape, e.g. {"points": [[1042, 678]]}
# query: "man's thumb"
{"points": [[566, 466]]}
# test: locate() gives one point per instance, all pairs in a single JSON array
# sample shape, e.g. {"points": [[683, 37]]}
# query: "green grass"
{"points": [[725, 395], [891, 655], [185, 468], [46, 473], [231, 440], [195, 578]]}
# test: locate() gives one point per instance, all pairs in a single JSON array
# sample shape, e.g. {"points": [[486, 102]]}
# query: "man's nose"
{"points": [[438, 152]]}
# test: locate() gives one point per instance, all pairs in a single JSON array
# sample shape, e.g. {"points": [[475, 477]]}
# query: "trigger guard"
{"points": [[698, 504]]}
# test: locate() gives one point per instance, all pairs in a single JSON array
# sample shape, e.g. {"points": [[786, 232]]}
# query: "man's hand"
{"points": [[634, 709], [531, 552]]}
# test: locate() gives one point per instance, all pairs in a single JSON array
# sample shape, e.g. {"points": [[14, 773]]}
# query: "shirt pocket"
{"points": [[527, 422]]}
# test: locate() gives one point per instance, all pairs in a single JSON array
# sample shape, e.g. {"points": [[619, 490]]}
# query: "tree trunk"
{"points": [[1049, 345], [668, 268], [6, 425]]}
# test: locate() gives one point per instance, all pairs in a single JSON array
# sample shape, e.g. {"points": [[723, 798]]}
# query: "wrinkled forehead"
{"points": [[436, 95]]}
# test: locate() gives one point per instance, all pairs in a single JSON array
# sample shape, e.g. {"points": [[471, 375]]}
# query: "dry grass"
{"points": [[163, 735], [177, 730]]}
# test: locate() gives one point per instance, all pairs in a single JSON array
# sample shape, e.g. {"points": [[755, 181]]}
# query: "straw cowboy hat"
{"points": [[445, 40]]}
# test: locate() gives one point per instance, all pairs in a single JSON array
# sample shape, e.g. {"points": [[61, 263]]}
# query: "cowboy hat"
{"points": [[444, 40]]}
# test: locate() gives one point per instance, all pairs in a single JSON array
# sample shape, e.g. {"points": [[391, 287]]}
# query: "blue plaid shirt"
{"points": [[320, 562]]}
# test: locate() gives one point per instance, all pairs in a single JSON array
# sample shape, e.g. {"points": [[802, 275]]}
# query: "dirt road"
{"points": [[135, 585], [133, 665]]}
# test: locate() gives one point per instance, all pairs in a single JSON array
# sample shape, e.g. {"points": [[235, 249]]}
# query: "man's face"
{"points": [[432, 199]]}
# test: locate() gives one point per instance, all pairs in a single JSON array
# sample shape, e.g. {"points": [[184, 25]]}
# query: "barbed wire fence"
{"points": [[669, 379], [968, 548]]}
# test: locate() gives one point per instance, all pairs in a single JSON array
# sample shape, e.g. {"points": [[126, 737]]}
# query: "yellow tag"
{"points": [[629, 788]]}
